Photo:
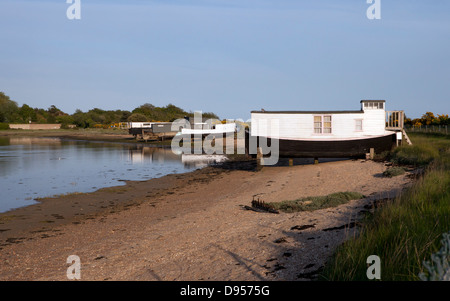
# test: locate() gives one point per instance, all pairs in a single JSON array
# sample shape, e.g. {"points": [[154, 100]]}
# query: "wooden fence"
{"points": [[428, 129]]}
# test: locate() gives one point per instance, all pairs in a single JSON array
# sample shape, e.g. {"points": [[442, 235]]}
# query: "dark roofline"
{"points": [[321, 112], [309, 112]]}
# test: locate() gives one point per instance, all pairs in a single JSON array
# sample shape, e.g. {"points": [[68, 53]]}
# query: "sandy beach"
{"points": [[193, 226]]}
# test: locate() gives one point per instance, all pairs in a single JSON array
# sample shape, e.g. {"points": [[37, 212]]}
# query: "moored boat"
{"points": [[326, 134]]}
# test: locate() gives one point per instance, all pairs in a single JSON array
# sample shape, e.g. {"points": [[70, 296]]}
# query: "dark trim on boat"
{"points": [[372, 100], [328, 149]]}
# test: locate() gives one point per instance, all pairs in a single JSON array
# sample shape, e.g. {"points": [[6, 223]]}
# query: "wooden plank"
{"points": [[406, 137]]}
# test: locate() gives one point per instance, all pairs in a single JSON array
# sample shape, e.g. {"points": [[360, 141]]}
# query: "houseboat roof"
{"points": [[309, 112], [365, 101]]}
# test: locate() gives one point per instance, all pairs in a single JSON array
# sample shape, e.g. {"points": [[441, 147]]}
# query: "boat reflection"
{"points": [[145, 154], [148, 154], [199, 161]]}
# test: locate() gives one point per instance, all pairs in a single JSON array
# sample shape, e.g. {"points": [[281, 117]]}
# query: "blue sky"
{"points": [[226, 56]]}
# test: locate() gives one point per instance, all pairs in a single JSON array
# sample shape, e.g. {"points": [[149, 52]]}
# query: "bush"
{"points": [[137, 117], [4, 126], [394, 171], [439, 268]]}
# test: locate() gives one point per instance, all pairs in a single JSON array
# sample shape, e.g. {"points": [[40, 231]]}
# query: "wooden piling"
{"points": [[259, 158]]}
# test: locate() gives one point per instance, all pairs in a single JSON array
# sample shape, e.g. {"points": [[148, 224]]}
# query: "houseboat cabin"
{"points": [[326, 134]]}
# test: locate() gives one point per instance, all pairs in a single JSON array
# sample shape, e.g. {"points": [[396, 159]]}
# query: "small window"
{"points": [[358, 125], [367, 105], [327, 124], [317, 124]]}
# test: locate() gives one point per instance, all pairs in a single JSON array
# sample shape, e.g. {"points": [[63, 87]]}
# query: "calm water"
{"points": [[38, 167]]}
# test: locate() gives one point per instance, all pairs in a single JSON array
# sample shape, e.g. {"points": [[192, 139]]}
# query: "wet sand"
{"points": [[193, 226]]}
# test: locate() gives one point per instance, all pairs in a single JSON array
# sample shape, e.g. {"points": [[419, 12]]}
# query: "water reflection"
{"points": [[199, 161], [152, 154], [40, 167], [32, 141]]}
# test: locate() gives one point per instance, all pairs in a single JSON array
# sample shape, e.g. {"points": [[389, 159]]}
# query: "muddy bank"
{"points": [[119, 136], [193, 226]]}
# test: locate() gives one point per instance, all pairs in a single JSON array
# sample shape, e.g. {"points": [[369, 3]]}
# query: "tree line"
{"points": [[11, 112], [428, 119]]}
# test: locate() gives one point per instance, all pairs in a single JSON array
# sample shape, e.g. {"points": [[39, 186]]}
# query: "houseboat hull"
{"points": [[343, 148]]}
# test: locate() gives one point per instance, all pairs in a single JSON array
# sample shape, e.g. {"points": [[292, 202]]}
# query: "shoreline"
{"points": [[193, 226], [115, 136], [95, 136], [27, 219]]}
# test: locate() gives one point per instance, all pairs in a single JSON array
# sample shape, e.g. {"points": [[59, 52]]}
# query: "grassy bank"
{"points": [[64, 132], [88, 134], [407, 230]]}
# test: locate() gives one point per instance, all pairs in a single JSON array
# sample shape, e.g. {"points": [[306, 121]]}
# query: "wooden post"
{"points": [[259, 158], [316, 160], [291, 162], [372, 153]]}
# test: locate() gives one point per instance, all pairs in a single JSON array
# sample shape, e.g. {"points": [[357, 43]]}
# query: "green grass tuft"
{"points": [[316, 202], [394, 171]]}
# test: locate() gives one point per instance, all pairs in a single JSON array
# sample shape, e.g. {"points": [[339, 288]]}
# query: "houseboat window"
{"points": [[373, 105], [318, 124], [322, 124], [358, 125], [327, 124]]}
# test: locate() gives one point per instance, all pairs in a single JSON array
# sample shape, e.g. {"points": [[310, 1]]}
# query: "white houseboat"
{"points": [[328, 134], [215, 129], [150, 130]]}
